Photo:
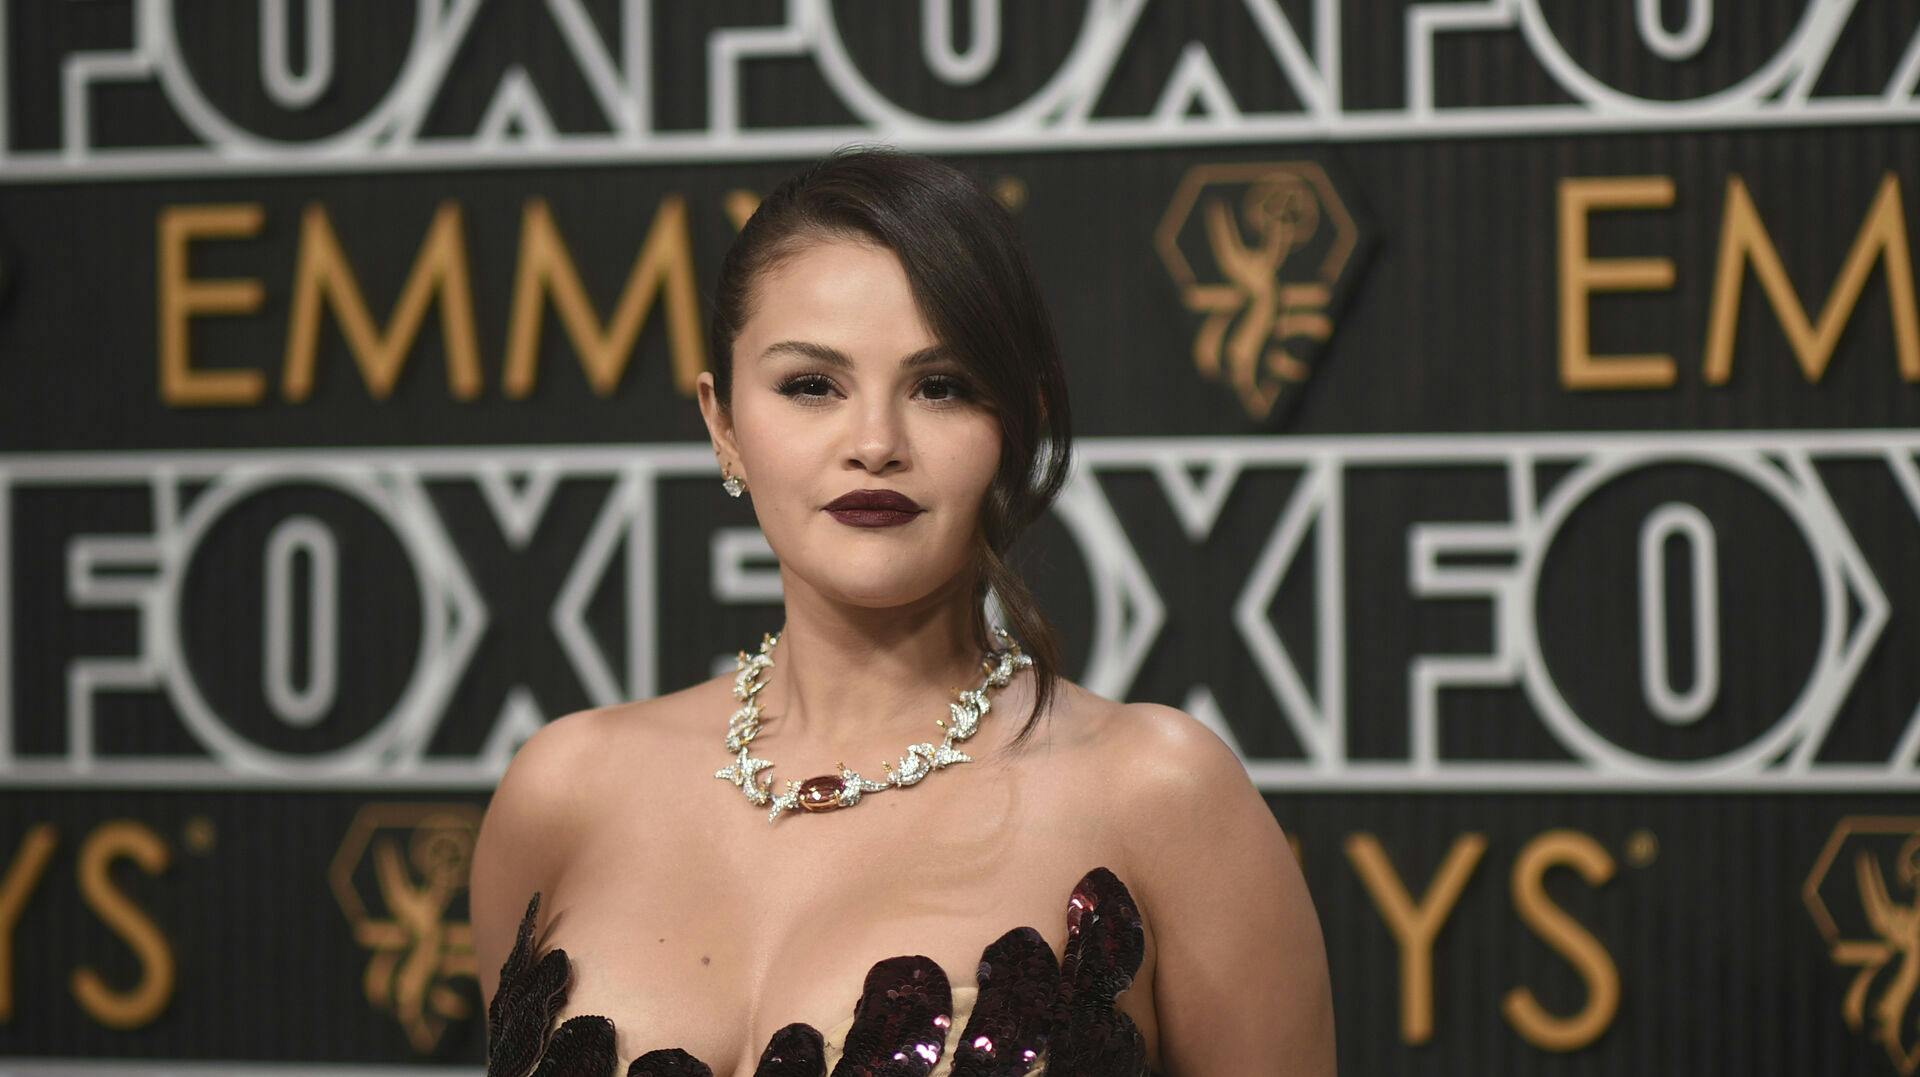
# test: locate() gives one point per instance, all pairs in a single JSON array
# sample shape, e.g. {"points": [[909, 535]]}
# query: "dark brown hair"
{"points": [[975, 287]]}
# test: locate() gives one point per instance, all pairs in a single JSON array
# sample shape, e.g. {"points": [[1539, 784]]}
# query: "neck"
{"points": [[851, 682]]}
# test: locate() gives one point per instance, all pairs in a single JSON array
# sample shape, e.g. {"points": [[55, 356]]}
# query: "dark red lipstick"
{"points": [[873, 508]]}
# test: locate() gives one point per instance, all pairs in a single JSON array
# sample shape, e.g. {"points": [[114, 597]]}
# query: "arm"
{"points": [[523, 840], [1240, 979]]}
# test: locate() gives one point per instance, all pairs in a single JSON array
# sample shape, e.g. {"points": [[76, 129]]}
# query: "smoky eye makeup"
{"points": [[940, 389], [945, 389], [805, 387]]}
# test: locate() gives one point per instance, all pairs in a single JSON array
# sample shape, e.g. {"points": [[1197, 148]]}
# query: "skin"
{"points": [[694, 923]]}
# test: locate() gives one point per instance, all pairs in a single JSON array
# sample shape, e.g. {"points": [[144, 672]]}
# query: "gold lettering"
{"points": [[1569, 848], [29, 864], [1415, 926], [1744, 239], [1581, 276], [323, 275], [182, 298], [143, 1002], [741, 204], [665, 264]]}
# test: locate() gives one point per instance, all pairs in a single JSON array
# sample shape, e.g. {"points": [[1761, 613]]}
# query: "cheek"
{"points": [[774, 443], [974, 457], [781, 461]]}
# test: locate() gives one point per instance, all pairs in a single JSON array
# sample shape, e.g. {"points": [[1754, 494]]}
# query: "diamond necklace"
{"points": [[843, 790]]}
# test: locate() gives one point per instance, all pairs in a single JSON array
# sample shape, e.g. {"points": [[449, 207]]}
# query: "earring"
{"points": [[732, 483]]}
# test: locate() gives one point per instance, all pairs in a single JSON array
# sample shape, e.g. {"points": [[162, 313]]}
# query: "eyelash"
{"points": [[792, 387]]}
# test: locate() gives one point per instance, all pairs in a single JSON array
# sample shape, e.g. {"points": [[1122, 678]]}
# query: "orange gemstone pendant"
{"points": [[830, 792], [822, 793]]}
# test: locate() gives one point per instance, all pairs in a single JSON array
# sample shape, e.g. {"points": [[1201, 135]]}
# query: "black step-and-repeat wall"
{"points": [[1498, 423]]}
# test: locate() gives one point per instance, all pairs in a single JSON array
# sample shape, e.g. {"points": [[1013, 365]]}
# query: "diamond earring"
{"points": [[731, 482]]}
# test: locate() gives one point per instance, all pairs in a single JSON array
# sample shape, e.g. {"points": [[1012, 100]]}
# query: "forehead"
{"points": [[852, 295]]}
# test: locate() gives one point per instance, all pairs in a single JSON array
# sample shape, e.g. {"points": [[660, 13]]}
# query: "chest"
{"points": [[710, 935]]}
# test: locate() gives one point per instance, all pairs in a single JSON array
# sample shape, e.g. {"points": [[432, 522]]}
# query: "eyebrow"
{"points": [[834, 357]]}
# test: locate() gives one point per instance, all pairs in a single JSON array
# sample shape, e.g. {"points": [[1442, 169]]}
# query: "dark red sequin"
{"points": [[900, 1023], [1105, 944], [580, 1047], [526, 1006], [1028, 1010], [1014, 1014], [795, 1051], [511, 971]]}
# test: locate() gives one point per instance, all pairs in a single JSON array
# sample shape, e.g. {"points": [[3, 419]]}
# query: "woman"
{"points": [[888, 391]]}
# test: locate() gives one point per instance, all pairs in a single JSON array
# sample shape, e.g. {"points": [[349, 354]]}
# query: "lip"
{"points": [[873, 508]]}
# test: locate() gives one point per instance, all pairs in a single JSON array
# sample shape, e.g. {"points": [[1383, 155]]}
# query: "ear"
{"points": [[719, 425]]}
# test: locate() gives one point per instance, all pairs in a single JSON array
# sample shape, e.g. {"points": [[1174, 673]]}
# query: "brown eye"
{"points": [[944, 389], [812, 387]]}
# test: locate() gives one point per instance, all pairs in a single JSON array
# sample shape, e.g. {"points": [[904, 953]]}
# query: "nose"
{"points": [[878, 440]]}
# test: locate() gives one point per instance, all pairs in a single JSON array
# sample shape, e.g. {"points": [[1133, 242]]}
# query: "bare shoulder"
{"points": [[1159, 762], [557, 767], [564, 766], [553, 794], [1220, 888], [545, 769], [1171, 788]]}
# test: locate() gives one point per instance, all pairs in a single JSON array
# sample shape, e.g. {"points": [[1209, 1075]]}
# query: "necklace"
{"points": [[843, 790]]}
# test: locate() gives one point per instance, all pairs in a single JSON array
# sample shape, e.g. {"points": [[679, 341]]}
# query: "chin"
{"points": [[880, 583], [883, 593]]}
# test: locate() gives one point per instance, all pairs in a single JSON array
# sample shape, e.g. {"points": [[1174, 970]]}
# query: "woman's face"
{"points": [[839, 389]]}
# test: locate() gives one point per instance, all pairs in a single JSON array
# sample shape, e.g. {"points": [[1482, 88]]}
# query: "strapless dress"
{"points": [[1027, 1014]]}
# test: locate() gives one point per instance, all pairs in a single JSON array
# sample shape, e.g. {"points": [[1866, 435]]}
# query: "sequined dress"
{"points": [[1029, 1014]]}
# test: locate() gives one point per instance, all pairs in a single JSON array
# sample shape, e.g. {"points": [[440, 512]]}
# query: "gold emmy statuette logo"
{"points": [[1261, 251], [396, 873], [1864, 893]]}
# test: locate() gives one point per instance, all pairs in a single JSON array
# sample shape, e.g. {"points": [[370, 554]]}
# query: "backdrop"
{"points": [[1497, 417]]}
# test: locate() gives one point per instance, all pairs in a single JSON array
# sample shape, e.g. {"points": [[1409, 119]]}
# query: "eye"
{"points": [[945, 389], [809, 389]]}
